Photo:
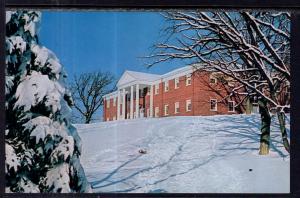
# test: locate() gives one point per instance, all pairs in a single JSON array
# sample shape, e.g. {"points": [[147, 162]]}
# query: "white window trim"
{"points": [[166, 85], [216, 105], [214, 79], [233, 104], [255, 98], [176, 79], [156, 89], [187, 102], [165, 112], [187, 80], [176, 112]]}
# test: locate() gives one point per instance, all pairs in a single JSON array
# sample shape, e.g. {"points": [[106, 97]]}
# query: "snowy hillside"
{"points": [[212, 154]]}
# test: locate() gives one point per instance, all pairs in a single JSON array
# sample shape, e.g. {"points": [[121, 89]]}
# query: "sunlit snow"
{"points": [[213, 154]]}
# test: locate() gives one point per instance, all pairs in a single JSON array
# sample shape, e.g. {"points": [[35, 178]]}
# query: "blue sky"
{"points": [[103, 40]]}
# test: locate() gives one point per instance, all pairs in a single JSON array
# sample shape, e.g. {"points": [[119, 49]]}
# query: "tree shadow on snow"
{"points": [[242, 135], [115, 171], [246, 135]]}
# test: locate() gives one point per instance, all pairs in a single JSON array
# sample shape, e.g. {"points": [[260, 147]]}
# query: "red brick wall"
{"points": [[104, 110], [111, 111], [180, 95], [199, 92], [204, 91]]}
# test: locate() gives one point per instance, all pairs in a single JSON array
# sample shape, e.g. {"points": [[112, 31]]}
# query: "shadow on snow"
{"points": [[244, 138]]}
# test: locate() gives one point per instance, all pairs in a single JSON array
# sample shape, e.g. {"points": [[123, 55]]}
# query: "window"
{"points": [[114, 118], [176, 107], [176, 80], [255, 100], [188, 105], [213, 105], [166, 109], [231, 106], [166, 86], [107, 119], [114, 101], [107, 103], [156, 89], [212, 80], [188, 80], [156, 112], [255, 108]]}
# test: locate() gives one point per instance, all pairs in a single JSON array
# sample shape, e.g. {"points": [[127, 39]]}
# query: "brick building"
{"points": [[182, 92]]}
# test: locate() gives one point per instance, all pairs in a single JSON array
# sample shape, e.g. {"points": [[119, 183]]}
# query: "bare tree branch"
{"points": [[250, 47], [88, 90]]}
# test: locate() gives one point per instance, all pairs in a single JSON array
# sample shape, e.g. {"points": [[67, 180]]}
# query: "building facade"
{"points": [[182, 92]]}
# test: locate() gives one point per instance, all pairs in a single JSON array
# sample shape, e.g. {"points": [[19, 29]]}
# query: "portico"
{"points": [[131, 103], [133, 88]]}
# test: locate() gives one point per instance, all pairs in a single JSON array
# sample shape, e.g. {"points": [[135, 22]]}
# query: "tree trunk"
{"points": [[87, 120], [265, 128], [248, 106], [281, 119]]}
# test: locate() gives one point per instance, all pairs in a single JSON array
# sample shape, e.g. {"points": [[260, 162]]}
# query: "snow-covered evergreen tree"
{"points": [[42, 147]]}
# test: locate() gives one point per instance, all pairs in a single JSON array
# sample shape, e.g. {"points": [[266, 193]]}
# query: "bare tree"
{"points": [[88, 90], [223, 89], [251, 47]]}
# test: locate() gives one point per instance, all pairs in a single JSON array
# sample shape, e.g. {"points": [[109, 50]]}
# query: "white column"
{"points": [[151, 101], [137, 100], [123, 104], [131, 102], [118, 105]]}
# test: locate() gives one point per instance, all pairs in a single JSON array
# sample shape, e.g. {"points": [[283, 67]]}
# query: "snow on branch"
{"points": [[252, 48]]}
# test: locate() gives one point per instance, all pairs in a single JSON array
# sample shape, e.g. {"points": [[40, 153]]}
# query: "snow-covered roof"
{"points": [[133, 77], [176, 71], [111, 95], [144, 76]]}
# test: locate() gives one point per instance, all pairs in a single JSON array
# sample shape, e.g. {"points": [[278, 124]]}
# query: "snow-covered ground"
{"points": [[212, 154]]}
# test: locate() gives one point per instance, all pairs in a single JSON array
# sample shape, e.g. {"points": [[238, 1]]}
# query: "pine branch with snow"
{"points": [[42, 147]]}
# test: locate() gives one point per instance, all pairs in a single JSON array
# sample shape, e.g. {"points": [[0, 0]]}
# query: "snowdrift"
{"points": [[211, 154]]}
